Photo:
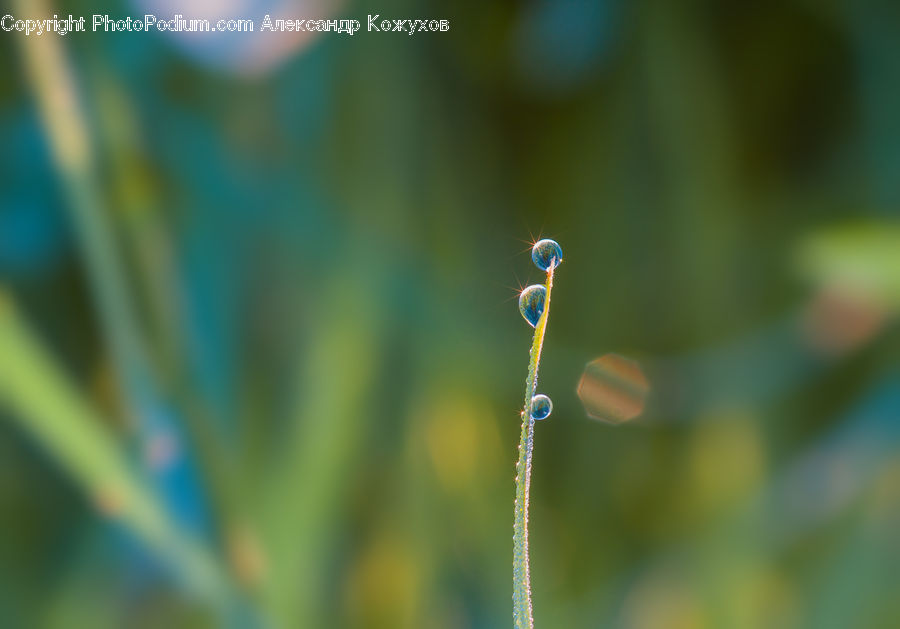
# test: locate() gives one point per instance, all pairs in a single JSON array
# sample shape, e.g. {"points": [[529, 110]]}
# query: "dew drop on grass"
{"points": [[546, 252], [541, 406], [531, 303]]}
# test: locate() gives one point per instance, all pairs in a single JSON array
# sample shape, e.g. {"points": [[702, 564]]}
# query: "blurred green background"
{"points": [[260, 360]]}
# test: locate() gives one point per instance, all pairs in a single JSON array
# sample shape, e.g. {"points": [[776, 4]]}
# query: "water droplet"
{"points": [[531, 303], [541, 406], [546, 252]]}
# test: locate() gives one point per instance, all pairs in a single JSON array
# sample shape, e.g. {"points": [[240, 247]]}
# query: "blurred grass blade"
{"points": [[52, 81], [50, 410], [304, 491], [863, 255]]}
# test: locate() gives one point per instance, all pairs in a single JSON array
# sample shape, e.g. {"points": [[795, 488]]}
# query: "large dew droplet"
{"points": [[541, 406], [545, 253], [531, 303]]}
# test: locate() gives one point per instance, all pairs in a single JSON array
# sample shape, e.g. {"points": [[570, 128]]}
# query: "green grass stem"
{"points": [[522, 608]]}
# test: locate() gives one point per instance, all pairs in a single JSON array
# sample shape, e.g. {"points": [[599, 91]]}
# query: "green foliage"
{"points": [[303, 273]]}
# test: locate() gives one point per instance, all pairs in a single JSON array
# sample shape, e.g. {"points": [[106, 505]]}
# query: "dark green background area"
{"points": [[260, 358]]}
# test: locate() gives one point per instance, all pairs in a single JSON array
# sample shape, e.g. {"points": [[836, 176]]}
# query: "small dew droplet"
{"points": [[531, 303], [545, 253], [541, 406]]}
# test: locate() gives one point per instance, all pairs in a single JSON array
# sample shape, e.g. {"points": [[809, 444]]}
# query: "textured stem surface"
{"points": [[522, 615]]}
